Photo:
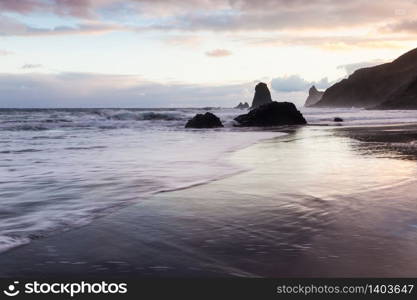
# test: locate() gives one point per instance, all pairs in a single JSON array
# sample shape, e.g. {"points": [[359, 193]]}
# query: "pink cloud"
{"points": [[12, 27], [218, 53], [20, 6], [407, 26], [187, 17], [77, 8]]}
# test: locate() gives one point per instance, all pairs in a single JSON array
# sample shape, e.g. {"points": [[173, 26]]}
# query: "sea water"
{"points": [[61, 168]]}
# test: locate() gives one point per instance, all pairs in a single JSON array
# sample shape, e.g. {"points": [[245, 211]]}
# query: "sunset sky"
{"points": [[166, 53]]}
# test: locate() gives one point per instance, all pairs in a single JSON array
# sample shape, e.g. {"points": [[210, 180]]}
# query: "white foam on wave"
{"points": [[129, 115], [85, 118], [409, 145], [109, 170], [7, 242]]}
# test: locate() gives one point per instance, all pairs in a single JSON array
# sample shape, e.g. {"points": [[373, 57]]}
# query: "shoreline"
{"points": [[242, 225], [120, 181], [382, 138]]}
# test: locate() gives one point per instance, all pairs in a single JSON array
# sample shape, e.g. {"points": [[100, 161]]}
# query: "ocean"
{"points": [[62, 168]]}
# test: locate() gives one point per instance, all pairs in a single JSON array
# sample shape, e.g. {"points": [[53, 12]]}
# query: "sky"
{"points": [[173, 53]]}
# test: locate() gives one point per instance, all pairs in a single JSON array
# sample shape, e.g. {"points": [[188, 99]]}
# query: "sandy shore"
{"points": [[389, 138], [318, 202]]}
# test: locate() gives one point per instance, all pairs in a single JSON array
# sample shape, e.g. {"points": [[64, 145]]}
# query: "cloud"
{"points": [[227, 15], [407, 26], [330, 42], [297, 22], [289, 84], [350, 68], [83, 28], [31, 66], [21, 6], [295, 83], [101, 90], [284, 22], [41, 90], [272, 15], [77, 8], [80, 8], [218, 53], [12, 27]]}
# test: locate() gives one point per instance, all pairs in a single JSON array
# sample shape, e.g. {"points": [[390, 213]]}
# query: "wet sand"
{"points": [[320, 202], [386, 139]]}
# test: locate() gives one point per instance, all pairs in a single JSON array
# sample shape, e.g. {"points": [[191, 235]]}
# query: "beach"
{"points": [[255, 148], [320, 201]]}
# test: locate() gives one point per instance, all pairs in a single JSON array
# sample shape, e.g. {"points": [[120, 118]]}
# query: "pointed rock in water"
{"points": [[239, 106], [208, 120], [272, 114], [314, 96], [242, 105], [262, 95]]}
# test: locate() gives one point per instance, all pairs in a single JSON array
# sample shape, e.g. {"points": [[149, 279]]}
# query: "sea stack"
{"points": [[314, 96], [242, 105], [262, 95], [265, 112]]}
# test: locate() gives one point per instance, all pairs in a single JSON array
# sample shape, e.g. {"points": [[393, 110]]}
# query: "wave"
{"points": [[56, 121], [91, 184], [8, 242], [128, 115], [102, 119], [85, 148], [202, 182], [25, 127], [19, 151]]}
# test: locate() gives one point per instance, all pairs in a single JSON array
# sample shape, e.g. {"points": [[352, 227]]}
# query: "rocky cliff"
{"points": [[387, 86]]}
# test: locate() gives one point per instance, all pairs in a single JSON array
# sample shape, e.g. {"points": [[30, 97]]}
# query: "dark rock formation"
{"points": [[404, 98], [262, 95], [387, 86], [272, 114], [242, 105], [337, 119], [208, 120], [314, 96]]}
